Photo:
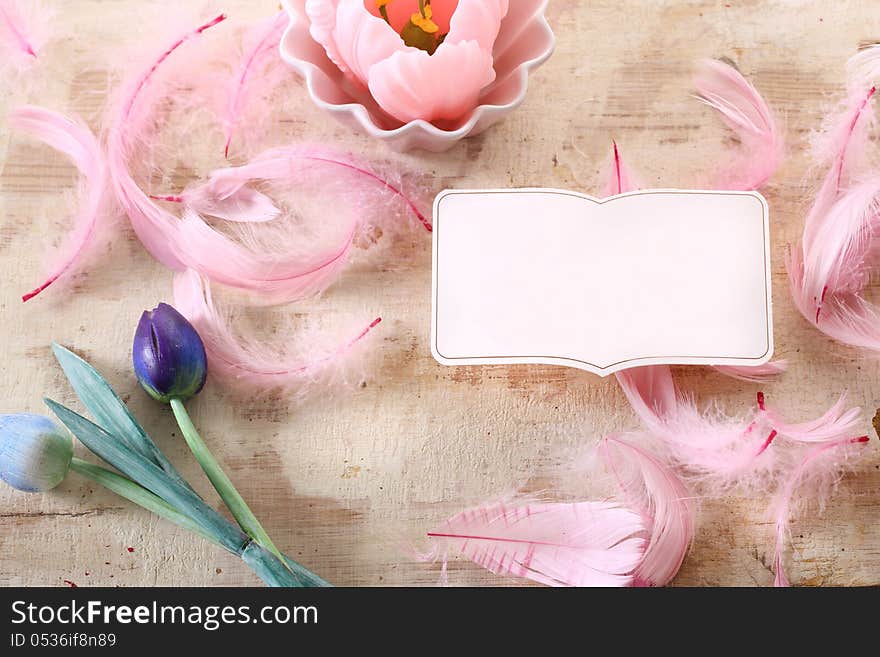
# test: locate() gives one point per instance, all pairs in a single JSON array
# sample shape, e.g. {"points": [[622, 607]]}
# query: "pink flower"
{"points": [[420, 59]]}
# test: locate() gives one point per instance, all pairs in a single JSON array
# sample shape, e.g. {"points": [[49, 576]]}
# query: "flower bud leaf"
{"points": [[146, 473], [109, 411]]}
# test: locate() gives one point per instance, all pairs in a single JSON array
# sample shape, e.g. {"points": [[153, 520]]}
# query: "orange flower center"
{"points": [[421, 24]]}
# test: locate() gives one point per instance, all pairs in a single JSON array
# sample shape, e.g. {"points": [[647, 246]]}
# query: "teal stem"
{"points": [[221, 482], [125, 487], [278, 572]]}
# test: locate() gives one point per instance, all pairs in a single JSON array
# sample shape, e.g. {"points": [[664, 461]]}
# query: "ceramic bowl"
{"points": [[524, 43]]}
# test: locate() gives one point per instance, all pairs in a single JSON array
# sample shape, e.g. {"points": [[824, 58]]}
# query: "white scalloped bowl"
{"points": [[524, 43]]}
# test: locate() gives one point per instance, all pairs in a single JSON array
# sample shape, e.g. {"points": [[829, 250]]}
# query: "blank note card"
{"points": [[648, 277]]}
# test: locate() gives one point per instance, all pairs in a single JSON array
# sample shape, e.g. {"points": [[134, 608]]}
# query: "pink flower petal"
{"points": [[477, 20], [322, 19], [363, 40], [412, 84]]}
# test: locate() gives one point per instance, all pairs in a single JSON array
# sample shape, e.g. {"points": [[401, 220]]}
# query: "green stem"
{"points": [[233, 499], [133, 492], [384, 12]]}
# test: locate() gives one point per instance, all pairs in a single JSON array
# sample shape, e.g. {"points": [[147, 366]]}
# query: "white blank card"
{"points": [[644, 278]]}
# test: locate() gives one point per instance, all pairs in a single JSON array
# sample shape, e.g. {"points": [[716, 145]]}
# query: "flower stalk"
{"points": [[221, 482]]}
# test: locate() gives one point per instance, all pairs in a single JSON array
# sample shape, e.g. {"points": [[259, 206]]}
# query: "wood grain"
{"points": [[345, 482]]}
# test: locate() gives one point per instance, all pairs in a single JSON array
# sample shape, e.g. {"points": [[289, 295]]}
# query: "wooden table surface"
{"points": [[344, 482]]}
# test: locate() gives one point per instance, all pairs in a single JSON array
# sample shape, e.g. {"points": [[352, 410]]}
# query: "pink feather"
{"points": [[837, 422], [816, 474], [24, 30], [653, 490], [830, 270], [251, 363], [744, 110], [261, 41], [76, 141], [754, 373], [580, 544], [272, 265], [240, 204], [619, 177], [638, 541]]}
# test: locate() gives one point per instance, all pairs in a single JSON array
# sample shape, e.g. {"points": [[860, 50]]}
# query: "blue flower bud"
{"points": [[168, 355], [35, 453]]}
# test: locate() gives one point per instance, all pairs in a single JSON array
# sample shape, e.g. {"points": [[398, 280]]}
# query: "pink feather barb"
{"points": [[817, 474], [723, 88], [74, 139], [261, 41], [24, 29], [830, 271], [558, 544], [273, 266], [640, 540], [251, 363]]}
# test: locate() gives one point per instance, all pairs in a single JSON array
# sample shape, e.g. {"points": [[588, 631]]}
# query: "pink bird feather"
{"points": [[558, 544], [830, 270], [639, 540], [261, 42], [651, 488], [96, 210], [277, 269], [251, 363], [24, 30], [723, 88], [817, 473]]}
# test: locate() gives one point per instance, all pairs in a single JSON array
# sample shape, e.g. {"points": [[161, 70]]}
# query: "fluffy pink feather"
{"points": [[24, 29], [745, 111], [251, 363], [754, 373], [241, 204], [816, 474], [272, 265], [830, 270], [559, 544], [656, 493], [837, 422], [76, 141], [640, 540], [129, 125], [261, 43]]}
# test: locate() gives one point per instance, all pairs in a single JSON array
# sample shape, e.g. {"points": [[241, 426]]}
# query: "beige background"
{"points": [[343, 481]]}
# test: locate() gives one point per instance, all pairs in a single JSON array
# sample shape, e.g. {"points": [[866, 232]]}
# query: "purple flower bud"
{"points": [[35, 453], [168, 355]]}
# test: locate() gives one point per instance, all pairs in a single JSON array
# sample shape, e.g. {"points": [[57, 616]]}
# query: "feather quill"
{"points": [[818, 472], [76, 141], [250, 363]]}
